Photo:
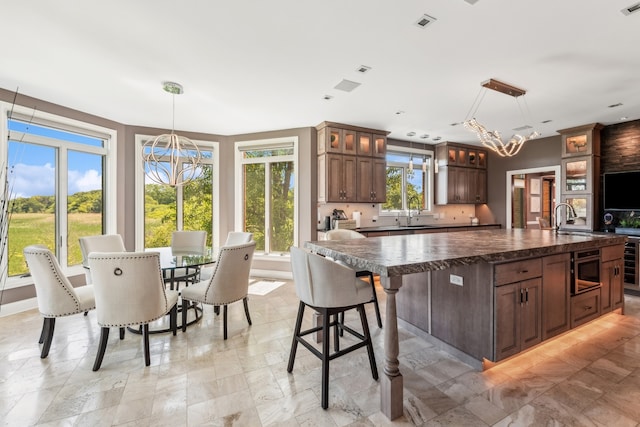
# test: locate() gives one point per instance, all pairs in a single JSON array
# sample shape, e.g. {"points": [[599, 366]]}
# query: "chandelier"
{"points": [[493, 139], [171, 159]]}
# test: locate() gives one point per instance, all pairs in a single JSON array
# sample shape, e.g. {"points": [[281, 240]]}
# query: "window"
{"points": [[161, 209], [57, 185], [409, 180], [266, 192]]}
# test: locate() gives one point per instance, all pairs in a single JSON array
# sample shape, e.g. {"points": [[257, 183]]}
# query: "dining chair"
{"points": [[55, 294], [329, 288], [130, 290], [233, 238], [228, 283], [186, 242], [346, 234], [99, 243]]}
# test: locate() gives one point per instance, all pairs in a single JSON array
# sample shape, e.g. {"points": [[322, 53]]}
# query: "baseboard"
{"points": [[18, 307], [272, 274]]}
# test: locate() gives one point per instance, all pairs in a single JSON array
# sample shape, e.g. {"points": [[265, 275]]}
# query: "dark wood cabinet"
{"points": [[337, 178], [556, 294], [518, 305], [461, 176], [372, 180], [611, 277]]}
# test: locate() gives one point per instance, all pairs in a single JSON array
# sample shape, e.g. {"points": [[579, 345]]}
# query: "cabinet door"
{"points": [[617, 286], [365, 144], [477, 186], [556, 294], [379, 180], [340, 141], [350, 167], [461, 185], [508, 300], [365, 167], [335, 178], [531, 313], [612, 292], [379, 146]]}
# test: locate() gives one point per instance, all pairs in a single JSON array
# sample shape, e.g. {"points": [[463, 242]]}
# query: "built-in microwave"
{"points": [[585, 271]]}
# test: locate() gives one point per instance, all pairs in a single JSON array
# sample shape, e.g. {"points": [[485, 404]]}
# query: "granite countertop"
{"points": [[414, 253], [421, 227]]}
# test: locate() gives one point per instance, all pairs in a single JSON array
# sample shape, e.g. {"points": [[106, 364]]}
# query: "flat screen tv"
{"points": [[621, 191]]}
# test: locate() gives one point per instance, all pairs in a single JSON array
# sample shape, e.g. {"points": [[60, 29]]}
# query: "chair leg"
{"points": [[185, 308], [216, 310], [85, 313], [375, 300], [245, 300], [49, 326], [367, 335], [121, 333], [296, 334], [173, 318], [224, 321], [44, 330], [325, 359], [145, 338], [342, 323], [104, 337], [338, 332]]}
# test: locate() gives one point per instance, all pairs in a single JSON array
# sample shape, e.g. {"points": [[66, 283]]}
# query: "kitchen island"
{"points": [[481, 293]]}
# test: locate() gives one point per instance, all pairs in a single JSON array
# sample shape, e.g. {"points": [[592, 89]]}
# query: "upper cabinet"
{"points": [[351, 164], [461, 176], [580, 175]]}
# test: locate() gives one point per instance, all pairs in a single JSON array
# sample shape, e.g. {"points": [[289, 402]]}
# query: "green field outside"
{"points": [[39, 228]]}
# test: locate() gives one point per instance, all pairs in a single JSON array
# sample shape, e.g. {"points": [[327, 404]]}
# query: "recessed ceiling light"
{"points": [[619, 104], [347, 85], [546, 121], [471, 1], [424, 136], [363, 69], [623, 118], [524, 127], [411, 133], [327, 97], [437, 138], [424, 20], [456, 124], [399, 112], [631, 9]]}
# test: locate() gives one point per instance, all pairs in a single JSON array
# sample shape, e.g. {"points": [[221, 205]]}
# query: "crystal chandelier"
{"points": [[493, 139], [171, 159]]}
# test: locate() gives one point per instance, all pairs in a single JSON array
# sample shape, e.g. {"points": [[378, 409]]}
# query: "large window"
{"points": [[56, 173], [266, 182], [409, 182], [165, 209]]}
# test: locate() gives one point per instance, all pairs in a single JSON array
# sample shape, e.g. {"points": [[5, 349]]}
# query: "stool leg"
{"points": [[296, 334], [367, 335], [325, 359], [336, 334]]}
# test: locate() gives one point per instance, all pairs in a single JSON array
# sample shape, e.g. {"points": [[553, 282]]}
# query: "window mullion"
{"points": [[62, 198]]}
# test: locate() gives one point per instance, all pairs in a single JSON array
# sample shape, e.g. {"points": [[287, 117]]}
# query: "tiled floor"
{"points": [[590, 376]]}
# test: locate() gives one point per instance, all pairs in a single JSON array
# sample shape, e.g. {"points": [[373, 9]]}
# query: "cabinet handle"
{"points": [[524, 271], [587, 307], [521, 297], [526, 295]]}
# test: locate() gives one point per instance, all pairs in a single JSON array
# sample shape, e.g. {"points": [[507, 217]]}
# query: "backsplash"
{"points": [[371, 217]]}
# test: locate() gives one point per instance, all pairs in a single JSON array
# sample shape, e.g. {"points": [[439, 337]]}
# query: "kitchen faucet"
{"points": [[411, 199], [571, 213]]}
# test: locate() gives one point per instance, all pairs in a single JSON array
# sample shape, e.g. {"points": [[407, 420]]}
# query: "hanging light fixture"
{"points": [[411, 163], [424, 164], [493, 139], [171, 159]]}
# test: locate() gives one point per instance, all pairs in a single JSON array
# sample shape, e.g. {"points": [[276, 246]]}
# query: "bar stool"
{"points": [[328, 288]]}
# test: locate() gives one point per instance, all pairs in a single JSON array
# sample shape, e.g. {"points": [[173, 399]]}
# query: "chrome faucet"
{"points": [[412, 199], [571, 213]]}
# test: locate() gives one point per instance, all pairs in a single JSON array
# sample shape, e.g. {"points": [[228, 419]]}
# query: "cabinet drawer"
{"points": [[585, 307], [516, 271], [609, 253]]}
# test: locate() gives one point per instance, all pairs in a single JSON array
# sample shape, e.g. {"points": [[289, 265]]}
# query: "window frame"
{"points": [[430, 175], [239, 161], [109, 179], [212, 146]]}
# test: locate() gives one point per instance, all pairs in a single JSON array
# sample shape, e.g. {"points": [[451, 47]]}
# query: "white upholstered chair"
{"points": [[328, 288], [129, 291], [233, 238], [186, 242], [339, 234], [228, 283], [56, 296], [99, 243]]}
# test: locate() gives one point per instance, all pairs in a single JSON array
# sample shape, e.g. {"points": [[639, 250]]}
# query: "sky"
{"points": [[32, 166]]}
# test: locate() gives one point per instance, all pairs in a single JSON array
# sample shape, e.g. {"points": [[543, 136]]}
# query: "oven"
{"points": [[585, 271]]}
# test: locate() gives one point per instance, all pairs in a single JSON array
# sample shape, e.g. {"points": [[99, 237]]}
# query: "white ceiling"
{"points": [[250, 66]]}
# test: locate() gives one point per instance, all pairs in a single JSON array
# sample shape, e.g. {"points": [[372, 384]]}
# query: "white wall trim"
{"points": [[18, 307]]}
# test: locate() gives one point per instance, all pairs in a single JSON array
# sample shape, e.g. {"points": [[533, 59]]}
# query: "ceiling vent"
{"points": [[424, 21], [631, 9], [347, 85]]}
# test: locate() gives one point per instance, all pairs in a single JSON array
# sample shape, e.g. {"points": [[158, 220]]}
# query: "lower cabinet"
{"points": [[585, 307], [556, 294], [612, 278]]}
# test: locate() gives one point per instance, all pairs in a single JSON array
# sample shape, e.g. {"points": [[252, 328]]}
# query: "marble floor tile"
{"points": [[587, 376]]}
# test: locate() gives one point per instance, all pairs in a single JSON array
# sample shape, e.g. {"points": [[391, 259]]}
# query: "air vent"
{"points": [[347, 85], [525, 127], [424, 21], [363, 69], [631, 9]]}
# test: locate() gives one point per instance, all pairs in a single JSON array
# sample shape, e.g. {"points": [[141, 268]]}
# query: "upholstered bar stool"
{"points": [[56, 296], [328, 288], [352, 234]]}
